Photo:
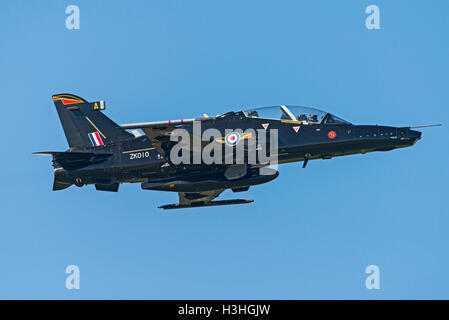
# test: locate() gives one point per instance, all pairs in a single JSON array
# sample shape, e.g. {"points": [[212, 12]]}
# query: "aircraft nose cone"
{"points": [[414, 135]]}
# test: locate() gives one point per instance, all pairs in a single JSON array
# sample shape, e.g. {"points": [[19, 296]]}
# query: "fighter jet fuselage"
{"points": [[106, 154]]}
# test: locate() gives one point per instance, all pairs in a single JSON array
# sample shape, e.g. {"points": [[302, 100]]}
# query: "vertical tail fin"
{"points": [[84, 124]]}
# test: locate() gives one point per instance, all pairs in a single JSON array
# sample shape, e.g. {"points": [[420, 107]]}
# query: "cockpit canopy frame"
{"points": [[306, 115]]}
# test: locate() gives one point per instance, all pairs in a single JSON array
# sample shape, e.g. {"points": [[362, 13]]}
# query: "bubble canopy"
{"points": [[307, 115]]}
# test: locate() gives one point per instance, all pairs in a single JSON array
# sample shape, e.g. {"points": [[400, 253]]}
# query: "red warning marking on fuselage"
{"points": [[331, 134], [296, 128], [265, 125]]}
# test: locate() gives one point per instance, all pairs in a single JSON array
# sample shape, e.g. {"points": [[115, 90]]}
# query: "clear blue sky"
{"points": [[310, 233]]}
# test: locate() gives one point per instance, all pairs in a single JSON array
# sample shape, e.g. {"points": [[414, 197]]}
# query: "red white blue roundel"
{"points": [[232, 138]]}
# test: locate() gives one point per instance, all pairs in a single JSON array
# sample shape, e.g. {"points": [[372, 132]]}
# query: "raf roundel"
{"points": [[331, 134], [232, 138]]}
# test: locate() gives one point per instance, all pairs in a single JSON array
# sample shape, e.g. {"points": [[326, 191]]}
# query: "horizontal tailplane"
{"points": [[74, 160]]}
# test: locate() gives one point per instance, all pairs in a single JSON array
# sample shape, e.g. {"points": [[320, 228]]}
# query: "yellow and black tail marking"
{"points": [[68, 99]]}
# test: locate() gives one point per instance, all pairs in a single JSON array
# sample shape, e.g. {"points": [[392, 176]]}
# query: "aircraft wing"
{"points": [[187, 198], [157, 135], [159, 131], [158, 124]]}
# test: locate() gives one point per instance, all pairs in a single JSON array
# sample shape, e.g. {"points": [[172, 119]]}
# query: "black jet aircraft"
{"points": [[106, 154]]}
